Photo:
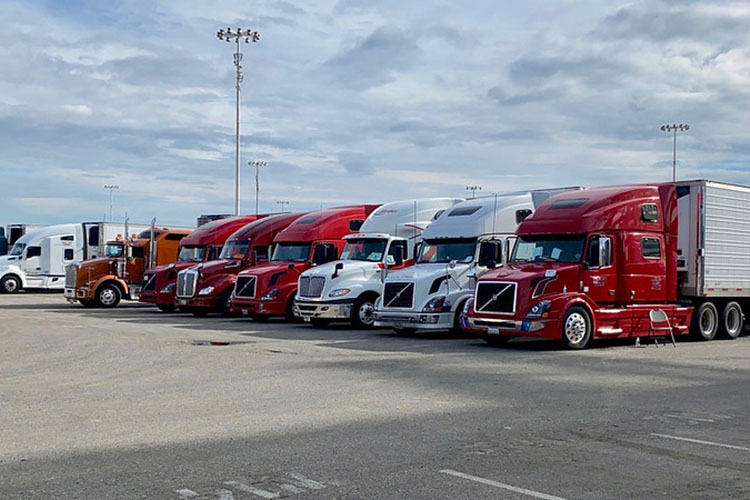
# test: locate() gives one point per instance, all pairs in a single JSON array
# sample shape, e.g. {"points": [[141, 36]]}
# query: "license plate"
{"points": [[244, 312], [493, 331], [306, 319], [398, 324], [181, 302]]}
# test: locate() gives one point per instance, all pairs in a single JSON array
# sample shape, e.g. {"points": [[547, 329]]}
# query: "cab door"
{"points": [[600, 274]]}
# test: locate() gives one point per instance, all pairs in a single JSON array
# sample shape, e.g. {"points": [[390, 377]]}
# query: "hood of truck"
{"points": [[222, 266], [354, 272], [278, 272], [92, 270], [9, 259], [425, 276]]}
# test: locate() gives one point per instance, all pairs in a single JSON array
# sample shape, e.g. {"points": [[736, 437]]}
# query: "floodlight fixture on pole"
{"points": [[257, 164], [111, 188], [282, 203], [682, 127], [473, 190], [236, 35]]}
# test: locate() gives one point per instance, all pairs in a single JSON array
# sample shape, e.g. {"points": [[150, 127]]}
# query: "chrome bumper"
{"points": [[494, 325], [309, 310], [413, 319]]}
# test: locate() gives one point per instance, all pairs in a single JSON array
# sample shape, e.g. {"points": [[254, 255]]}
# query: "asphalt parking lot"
{"points": [[132, 403]]}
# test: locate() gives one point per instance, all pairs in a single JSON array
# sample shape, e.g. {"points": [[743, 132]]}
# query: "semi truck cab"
{"points": [[346, 289]]}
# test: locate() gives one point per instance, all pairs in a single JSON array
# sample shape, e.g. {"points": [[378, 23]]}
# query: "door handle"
{"points": [[632, 294]]}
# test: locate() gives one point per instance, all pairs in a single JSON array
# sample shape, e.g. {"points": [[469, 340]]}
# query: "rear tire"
{"points": [[166, 308], [496, 340], [732, 321], [705, 322], [362, 313], [108, 296], [318, 322], [10, 284], [576, 328]]}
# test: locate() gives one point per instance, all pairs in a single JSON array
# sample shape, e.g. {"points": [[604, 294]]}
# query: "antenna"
{"points": [[494, 215], [415, 216]]}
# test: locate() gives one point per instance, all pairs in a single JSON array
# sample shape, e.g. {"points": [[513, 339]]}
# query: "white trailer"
{"points": [[38, 259], [464, 242], [346, 289], [14, 231]]}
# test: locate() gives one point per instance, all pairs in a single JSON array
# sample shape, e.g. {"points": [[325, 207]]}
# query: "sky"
{"points": [[354, 101]]}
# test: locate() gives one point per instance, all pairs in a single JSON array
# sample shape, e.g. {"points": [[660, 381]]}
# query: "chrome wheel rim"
{"points": [[107, 296], [575, 328], [10, 285], [733, 322], [708, 321], [365, 313]]}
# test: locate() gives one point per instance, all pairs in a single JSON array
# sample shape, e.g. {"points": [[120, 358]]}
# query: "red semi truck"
{"points": [[202, 245], [602, 263], [269, 289], [206, 288]]}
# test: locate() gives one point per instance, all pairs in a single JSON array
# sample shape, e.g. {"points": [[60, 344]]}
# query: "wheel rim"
{"points": [[10, 285], [365, 313], [575, 328], [107, 296], [708, 321], [733, 322]]}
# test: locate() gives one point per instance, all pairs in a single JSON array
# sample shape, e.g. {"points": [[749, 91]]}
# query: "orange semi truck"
{"points": [[118, 275]]}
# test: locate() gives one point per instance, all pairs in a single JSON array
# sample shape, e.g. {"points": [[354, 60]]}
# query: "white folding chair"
{"points": [[660, 322]]}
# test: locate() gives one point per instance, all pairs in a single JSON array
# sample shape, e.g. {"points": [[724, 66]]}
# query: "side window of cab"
{"points": [[599, 252]]}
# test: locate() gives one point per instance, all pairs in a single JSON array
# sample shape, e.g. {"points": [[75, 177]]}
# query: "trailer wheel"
{"points": [[496, 340], [705, 321], [319, 322], [166, 308], [732, 321], [576, 328], [362, 312], [10, 284], [108, 295]]}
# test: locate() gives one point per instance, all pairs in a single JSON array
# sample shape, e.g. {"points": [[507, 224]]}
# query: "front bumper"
{"points": [[260, 307], [148, 297], [413, 319], [199, 302], [512, 327], [325, 310]]}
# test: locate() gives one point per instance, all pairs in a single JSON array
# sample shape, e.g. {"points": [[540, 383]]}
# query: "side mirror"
{"points": [[452, 264], [490, 253], [338, 267]]}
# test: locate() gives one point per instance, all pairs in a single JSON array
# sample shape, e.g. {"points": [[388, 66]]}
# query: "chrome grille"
{"points": [[70, 276], [149, 282], [245, 286], [186, 281], [398, 295], [311, 287], [498, 297]]}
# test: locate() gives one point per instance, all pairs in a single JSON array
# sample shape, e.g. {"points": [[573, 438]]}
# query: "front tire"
{"points": [[362, 313], [705, 322], [457, 329], [225, 303], [10, 284], [576, 328], [108, 296], [732, 321]]}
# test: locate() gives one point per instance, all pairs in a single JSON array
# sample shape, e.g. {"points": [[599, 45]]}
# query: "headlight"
{"points": [[271, 294], [539, 309], [168, 288], [434, 305], [339, 292], [467, 306], [206, 291]]}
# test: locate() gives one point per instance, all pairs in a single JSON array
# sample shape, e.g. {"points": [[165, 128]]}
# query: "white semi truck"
{"points": [[464, 242], [39, 257], [346, 289]]}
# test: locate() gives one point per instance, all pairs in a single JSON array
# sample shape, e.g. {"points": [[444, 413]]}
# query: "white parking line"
{"points": [[698, 441], [686, 417], [224, 495], [489, 482], [251, 489], [186, 493], [301, 480]]}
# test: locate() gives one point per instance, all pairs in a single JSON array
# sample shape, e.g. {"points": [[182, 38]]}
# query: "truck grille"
{"points": [[497, 297], [70, 276], [186, 281], [311, 287], [245, 286], [149, 282], [398, 295]]}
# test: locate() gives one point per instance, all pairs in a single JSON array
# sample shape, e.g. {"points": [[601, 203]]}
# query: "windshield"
{"points": [[295, 252], [447, 250], [365, 249], [191, 254], [234, 250], [113, 250], [548, 249], [17, 249]]}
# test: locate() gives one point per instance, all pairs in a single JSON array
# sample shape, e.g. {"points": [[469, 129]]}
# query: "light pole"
{"points": [[675, 128], [282, 203], [111, 188], [473, 190], [237, 35], [257, 164]]}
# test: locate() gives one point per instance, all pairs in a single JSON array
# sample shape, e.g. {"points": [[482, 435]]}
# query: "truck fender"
{"points": [[580, 302], [13, 270], [108, 280]]}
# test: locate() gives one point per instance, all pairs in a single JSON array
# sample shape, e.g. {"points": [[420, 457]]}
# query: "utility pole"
{"points": [[282, 203], [257, 164], [111, 188], [473, 190], [237, 35], [675, 128]]}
